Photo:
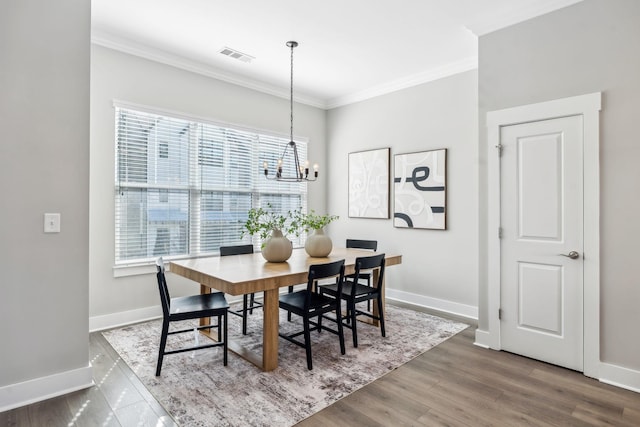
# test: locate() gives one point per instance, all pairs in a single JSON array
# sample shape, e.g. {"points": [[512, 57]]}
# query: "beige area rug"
{"points": [[197, 390]]}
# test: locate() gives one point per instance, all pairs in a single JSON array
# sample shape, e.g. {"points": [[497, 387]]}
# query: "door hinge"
{"points": [[499, 232], [499, 314], [499, 147]]}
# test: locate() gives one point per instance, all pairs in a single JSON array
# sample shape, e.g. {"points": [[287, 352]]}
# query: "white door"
{"points": [[541, 245]]}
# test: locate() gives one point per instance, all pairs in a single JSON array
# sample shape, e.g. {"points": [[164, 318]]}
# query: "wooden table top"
{"points": [[242, 274]]}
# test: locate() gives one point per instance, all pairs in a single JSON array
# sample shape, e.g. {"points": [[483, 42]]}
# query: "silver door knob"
{"points": [[572, 255]]}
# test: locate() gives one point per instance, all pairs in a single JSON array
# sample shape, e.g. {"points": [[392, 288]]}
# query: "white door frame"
{"points": [[588, 106]]}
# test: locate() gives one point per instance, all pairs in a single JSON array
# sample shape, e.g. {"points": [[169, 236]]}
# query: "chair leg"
{"points": [[224, 345], [381, 315], [354, 321], [340, 327], [253, 300], [307, 342], [289, 313], [244, 313], [219, 330], [163, 343]]}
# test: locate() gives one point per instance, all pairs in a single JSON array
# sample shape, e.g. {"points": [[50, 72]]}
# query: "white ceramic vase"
{"points": [[277, 248], [318, 244]]}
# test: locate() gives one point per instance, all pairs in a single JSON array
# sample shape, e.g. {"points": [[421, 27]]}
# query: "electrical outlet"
{"points": [[52, 223]]}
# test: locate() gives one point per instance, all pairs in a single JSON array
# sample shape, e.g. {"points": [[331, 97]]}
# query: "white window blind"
{"points": [[184, 187]]}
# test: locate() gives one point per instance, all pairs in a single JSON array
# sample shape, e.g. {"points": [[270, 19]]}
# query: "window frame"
{"points": [[257, 191]]}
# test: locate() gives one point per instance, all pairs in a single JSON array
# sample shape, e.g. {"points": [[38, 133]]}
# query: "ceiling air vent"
{"points": [[232, 53]]}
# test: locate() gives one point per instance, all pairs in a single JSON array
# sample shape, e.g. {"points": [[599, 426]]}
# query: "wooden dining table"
{"points": [[245, 274]]}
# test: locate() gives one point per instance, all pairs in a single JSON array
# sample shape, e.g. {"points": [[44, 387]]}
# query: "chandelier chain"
{"points": [[291, 92]]}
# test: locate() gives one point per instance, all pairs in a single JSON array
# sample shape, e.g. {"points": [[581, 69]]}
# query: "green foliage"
{"points": [[313, 221], [262, 221]]}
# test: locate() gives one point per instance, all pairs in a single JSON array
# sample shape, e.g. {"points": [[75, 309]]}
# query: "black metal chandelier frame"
{"points": [[301, 173]]}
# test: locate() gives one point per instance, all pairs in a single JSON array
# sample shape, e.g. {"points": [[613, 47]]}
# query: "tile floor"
{"points": [[118, 398]]}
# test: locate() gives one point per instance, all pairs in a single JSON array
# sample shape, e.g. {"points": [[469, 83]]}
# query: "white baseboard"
{"points": [[123, 318], [462, 310], [483, 339], [38, 389], [619, 376]]}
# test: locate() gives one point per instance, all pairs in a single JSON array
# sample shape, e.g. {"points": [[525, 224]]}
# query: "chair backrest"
{"points": [[236, 250], [324, 271], [165, 298], [362, 244], [367, 264]]}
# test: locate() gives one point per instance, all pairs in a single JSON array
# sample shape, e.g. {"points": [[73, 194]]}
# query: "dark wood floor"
{"points": [[454, 384], [460, 384]]}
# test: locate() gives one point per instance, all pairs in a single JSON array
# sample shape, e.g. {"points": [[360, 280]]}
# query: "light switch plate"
{"points": [[52, 223]]}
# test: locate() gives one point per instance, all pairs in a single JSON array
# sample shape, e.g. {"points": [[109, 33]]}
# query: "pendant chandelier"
{"points": [[301, 173]]}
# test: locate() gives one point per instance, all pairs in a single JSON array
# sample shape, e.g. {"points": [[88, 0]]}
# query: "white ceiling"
{"points": [[349, 50]]}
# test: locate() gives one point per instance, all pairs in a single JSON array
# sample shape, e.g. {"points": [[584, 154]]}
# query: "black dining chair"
{"points": [[186, 308], [308, 303], [248, 300], [354, 292], [371, 245]]}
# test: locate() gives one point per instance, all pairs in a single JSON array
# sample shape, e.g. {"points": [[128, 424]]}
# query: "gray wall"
{"points": [[44, 167], [441, 114], [439, 267], [588, 47], [123, 77]]}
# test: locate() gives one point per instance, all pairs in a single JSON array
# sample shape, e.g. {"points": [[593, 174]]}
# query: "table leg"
{"points": [[205, 320], [270, 330]]}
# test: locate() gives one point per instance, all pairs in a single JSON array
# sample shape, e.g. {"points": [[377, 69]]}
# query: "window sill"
{"points": [[141, 268], [134, 269], [126, 270]]}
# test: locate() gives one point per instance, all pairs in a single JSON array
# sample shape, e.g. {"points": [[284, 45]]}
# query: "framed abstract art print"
{"points": [[420, 190], [369, 184]]}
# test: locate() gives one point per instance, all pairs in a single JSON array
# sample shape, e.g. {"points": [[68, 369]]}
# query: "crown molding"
{"points": [[447, 70], [163, 57], [497, 21]]}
